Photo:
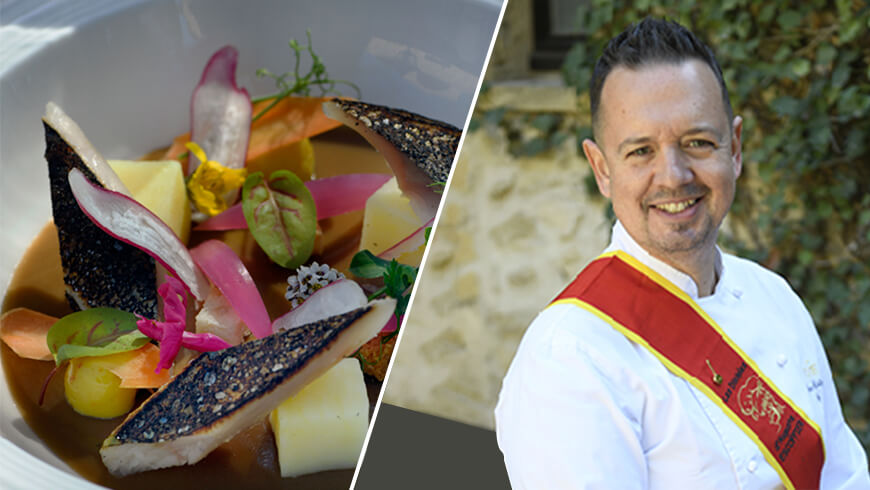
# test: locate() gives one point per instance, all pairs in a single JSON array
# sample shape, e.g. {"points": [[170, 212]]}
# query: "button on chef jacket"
{"points": [[582, 406]]}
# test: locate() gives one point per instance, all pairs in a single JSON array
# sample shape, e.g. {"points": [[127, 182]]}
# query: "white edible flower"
{"points": [[309, 279]]}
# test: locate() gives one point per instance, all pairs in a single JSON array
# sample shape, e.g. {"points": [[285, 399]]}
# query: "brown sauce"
{"points": [[249, 460]]}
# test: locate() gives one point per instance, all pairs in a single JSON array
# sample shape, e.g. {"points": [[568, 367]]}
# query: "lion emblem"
{"points": [[757, 402]]}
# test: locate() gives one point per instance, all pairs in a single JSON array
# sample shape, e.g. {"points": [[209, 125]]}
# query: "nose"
{"points": [[674, 169]]}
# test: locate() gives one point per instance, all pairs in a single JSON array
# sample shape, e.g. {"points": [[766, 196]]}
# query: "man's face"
{"points": [[666, 155]]}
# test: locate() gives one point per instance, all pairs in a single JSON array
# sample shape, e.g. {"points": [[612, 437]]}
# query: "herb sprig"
{"points": [[296, 83], [398, 278]]}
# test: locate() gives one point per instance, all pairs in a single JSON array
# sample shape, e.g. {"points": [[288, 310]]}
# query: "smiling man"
{"points": [[667, 363]]}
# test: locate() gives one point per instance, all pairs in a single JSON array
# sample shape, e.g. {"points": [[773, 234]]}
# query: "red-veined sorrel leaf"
{"points": [[94, 332], [281, 216]]}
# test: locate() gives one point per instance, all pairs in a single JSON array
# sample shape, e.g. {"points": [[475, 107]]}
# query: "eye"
{"points": [[701, 144], [644, 150]]}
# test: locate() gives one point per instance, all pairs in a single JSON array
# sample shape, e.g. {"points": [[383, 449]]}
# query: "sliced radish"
{"points": [[336, 298], [227, 272], [127, 220], [231, 219], [391, 326], [220, 112], [408, 244], [344, 193]]}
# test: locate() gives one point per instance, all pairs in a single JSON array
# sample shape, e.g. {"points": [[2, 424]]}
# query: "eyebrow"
{"points": [[704, 129], [632, 142], [646, 139]]}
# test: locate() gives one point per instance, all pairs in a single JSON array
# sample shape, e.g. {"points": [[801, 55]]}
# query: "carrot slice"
{"points": [[177, 149], [25, 331], [138, 370]]}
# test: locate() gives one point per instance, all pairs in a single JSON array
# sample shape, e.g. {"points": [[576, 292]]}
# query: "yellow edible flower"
{"points": [[211, 182]]}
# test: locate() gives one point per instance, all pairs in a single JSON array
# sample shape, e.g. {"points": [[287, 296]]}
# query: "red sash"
{"points": [[652, 312]]}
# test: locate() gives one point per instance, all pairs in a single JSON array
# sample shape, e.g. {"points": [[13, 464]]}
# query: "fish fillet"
{"points": [[418, 150], [98, 270], [221, 393]]}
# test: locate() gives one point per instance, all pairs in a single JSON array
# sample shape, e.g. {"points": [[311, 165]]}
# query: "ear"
{"points": [[736, 147], [599, 166]]}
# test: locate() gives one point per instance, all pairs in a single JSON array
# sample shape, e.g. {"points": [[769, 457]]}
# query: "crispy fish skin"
{"points": [[222, 393], [98, 270], [429, 144]]}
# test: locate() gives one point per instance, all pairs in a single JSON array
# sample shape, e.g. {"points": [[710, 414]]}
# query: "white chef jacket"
{"points": [[582, 406]]}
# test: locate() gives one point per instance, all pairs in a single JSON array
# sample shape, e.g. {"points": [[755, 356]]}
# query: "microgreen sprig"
{"points": [[290, 83]]}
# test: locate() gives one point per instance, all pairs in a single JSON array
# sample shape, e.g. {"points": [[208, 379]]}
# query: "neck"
{"points": [[700, 266]]}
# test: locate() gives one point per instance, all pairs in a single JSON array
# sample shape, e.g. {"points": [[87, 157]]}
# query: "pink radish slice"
{"points": [[220, 112], [332, 196], [336, 298], [231, 219], [127, 220], [344, 193], [408, 244], [391, 326], [227, 272]]}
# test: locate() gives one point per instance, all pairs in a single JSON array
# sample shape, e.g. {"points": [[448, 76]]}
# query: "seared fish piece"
{"points": [[98, 270], [418, 150], [220, 394]]}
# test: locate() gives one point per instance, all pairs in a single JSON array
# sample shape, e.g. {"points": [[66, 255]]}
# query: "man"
{"points": [[668, 363]]}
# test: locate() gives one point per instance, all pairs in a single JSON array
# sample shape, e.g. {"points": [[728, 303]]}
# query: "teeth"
{"points": [[675, 207]]}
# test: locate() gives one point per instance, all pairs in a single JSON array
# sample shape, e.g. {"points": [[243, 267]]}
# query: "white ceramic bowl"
{"points": [[124, 70]]}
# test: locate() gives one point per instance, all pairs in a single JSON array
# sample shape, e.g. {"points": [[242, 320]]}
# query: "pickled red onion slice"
{"points": [[344, 193], [227, 272]]}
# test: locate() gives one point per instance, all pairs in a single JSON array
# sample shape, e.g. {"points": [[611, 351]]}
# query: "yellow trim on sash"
{"points": [[679, 293]]}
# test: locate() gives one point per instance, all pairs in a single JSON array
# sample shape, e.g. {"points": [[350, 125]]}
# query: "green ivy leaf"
{"points": [[850, 30], [825, 54], [800, 67], [786, 106], [789, 19]]}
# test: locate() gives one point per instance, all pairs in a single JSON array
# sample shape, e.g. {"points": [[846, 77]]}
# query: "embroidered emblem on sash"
{"points": [[757, 402]]}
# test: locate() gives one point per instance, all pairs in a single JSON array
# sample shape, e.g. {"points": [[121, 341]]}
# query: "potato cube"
{"points": [[160, 187], [323, 427]]}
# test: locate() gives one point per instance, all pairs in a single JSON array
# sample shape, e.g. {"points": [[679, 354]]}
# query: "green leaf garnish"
{"points": [[367, 265], [94, 332], [296, 83], [398, 277], [281, 215]]}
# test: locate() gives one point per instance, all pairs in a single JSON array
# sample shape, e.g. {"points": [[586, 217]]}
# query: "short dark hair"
{"points": [[649, 41]]}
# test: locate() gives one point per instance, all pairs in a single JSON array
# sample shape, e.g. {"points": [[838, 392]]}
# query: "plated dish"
{"points": [[338, 140]]}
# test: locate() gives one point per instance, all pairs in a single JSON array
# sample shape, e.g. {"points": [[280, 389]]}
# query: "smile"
{"points": [[675, 207]]}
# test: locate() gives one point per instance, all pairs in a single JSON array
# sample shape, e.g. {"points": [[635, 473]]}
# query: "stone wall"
{"points": [[511, 234]]}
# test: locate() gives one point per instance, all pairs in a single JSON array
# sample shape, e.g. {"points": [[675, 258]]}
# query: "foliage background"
{"points": [[799, 75]]}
